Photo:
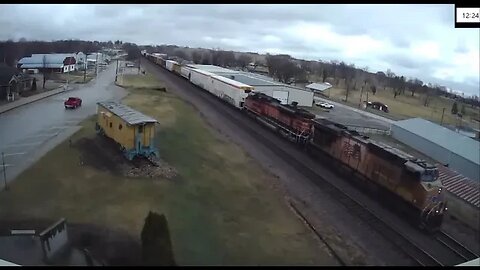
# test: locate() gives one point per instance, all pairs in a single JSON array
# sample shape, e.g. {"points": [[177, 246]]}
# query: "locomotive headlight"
{"points": [[439, 190]]}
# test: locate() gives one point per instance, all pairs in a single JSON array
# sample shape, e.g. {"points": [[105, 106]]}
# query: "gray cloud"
{"points": [[379, 36]]}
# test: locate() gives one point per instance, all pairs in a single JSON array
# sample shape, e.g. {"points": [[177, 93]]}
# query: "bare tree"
{"points": [[243, 60], [414, 85], [428, 92], [196, 57]]}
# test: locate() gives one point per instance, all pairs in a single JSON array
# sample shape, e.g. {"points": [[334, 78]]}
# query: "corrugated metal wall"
{"points": [[437, 152], [304, 98]]}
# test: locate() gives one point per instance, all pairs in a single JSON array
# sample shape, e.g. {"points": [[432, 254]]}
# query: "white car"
{"points": [[325, 105]]}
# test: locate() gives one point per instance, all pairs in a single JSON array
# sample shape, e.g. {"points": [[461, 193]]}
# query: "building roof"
{"points": [[41, 65], [460, 186], [246, 78], [51, 60], [25, 250], [6, 263], [319, 86], [234, 83], [128, 114], [474, 262], [211, 68], [448, 139]]}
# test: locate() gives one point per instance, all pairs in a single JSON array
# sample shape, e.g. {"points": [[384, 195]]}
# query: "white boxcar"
{"points": [[186, 72], [231, 91], [169, 64], [201, 78]]}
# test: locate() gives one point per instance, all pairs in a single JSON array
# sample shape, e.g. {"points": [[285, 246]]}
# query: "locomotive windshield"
{"points": [[429, 175]]}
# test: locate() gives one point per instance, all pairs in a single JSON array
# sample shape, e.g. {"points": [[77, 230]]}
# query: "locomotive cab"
{"points": [[432, 199]]}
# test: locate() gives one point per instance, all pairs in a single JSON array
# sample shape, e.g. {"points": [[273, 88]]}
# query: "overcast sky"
{"points": [[411, 40]]}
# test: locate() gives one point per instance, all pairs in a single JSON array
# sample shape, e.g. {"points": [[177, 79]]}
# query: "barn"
{"points": [[460, 152], [133, 131], [61, 63]]}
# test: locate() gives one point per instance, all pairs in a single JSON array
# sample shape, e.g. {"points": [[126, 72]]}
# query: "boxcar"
{"points": [[133, 131]]}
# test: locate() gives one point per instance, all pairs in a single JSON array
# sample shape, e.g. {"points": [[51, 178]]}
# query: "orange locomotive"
{"points": [[412, 185], [292, 122]]}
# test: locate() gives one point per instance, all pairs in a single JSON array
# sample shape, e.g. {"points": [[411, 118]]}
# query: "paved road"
{"points": [[28, 131], [350, 116]]}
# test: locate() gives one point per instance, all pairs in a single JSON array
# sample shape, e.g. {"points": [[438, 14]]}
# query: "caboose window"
{"points": [[110, 124], [120, 126]]}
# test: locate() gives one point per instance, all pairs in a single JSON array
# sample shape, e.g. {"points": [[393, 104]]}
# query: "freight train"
{"points": [[412, 185]]}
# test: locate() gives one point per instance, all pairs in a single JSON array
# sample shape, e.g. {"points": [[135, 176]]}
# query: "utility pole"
{"points": [[361, 94], [116, 71], [4, 172], [85, 69], [139, 64], [96, 63], [441, 121]]}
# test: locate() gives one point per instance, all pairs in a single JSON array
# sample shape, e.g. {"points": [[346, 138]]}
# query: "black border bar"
{"points": [[464, 24]]}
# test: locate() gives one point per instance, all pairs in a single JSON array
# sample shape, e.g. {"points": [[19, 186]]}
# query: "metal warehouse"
{"points": [[460, 152], [283, 92]]}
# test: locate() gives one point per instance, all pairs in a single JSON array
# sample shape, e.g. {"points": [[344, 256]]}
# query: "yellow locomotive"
{"points": [[411, 184]]}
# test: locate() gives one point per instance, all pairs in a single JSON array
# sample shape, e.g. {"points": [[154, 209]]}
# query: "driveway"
{"points": [[28, 132]]}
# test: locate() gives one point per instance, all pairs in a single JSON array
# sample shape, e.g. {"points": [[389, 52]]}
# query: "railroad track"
{"points": [[403, 242], [462, 252]]}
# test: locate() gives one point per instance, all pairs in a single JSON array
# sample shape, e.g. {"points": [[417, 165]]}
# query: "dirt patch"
{"points": [[103, 153], [100, 153], [144, 168]]}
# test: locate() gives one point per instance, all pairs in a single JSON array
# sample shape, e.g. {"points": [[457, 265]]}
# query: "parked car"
{"points": [[325, 105], [130, 65], [73, 102], [378, 106]]}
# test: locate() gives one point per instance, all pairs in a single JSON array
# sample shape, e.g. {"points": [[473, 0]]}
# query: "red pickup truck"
{"points": [[73, 102]]}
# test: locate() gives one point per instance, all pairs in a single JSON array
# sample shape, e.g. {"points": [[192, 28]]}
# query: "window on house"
{"points": [[140, 129], [110, 124], [120, 126]]}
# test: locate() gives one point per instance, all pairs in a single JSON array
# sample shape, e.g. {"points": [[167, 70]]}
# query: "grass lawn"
{"points": [[406, 106], [142, 81], [221, 209]]}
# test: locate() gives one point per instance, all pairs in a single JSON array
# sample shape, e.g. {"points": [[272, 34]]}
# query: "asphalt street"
{"points": [[25, 131]]}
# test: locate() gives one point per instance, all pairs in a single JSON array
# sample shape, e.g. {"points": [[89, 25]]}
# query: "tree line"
{"points": [[216, 57], [288, 70]]}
